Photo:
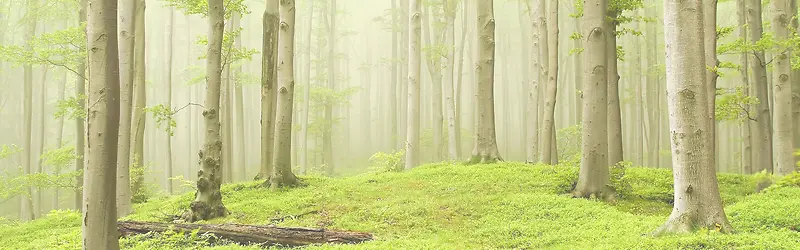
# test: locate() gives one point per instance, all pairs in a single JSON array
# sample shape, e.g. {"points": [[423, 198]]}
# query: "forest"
{"points": [[399, 124]]}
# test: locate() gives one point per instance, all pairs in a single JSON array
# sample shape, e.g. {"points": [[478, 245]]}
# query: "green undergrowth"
{"points": [[443, 206]]}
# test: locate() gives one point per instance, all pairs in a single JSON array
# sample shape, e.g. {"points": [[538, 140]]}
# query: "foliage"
{"points": [[200, 7], [569, 140], [387, 162], [60, 158], [734, 104], [140, 190], [16, 183], [6, 150], [163, 116], [230, 53], [63, 48], [70, 108], [619, 179]]}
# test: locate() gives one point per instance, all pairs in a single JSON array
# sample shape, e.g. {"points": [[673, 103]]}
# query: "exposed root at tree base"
{"points": [[202, 211], [606, 194], [683, 225], [483, 159]]}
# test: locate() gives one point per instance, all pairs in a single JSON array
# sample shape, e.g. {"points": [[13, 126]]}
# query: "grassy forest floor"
{"points": [[443, 206]]}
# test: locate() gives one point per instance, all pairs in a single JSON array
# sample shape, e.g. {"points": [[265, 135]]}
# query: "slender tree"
{"points": [[127, 10], [414, 68], [697, 199], [614, 117], [485, 149], [100, 213], [207, 203], [762, 141], [283, 176], [547, 148], [307, 91], [594, 174], [268, 81], [170, 30], [710, 48], [80, 136], [449, 91], [747, 138], [26, 208], [782, 90], [393, 101], [139, 100], [327, 132], [538, 55]]}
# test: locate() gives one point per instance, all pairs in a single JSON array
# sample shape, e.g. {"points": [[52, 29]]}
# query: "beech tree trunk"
{"points": [[26, 205], [710, 48], [269, 77], [139, 101], [393, 96], [614, 119], [327, 131], [538, 62], [697, 199], [449, 91], [168, 74], [594, 175], [434, 66], [100, 213], [414, 68], [795, 88], [485, 149], [126, 12], [282, 174], [762, 132], [547, 147], [307, 92], [782, 90], [240, 160], [745, 129], [250, 234], [208, 199], [80, 136]]}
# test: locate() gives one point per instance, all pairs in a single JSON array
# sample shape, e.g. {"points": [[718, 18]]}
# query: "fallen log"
{"points": [[250, 234]]}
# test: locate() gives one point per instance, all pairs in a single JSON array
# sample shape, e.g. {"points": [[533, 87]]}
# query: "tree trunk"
{"points": [[269, 77], [710, 48], [697, 200], [80, 136], [59, 134], [168, 74], [795, 88], [37, 202], [745, 129], [100, 212], [283, 176], [459, 86], [26, 209], [404, 71], [593, 178], [240, 162], [654, 95], [327, 132], [226, 122], [208, 199], [485, 149], [250, 234], [449, 91], [139, 101], [307, 92], [435, 70], [614, 119], [782, 90], [762, 143], [393, 100], [549, 131], [414, 68], [538, 58], [126, 12]]}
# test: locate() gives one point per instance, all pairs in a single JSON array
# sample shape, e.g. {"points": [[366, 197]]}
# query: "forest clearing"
{"points": [[399, 124]]}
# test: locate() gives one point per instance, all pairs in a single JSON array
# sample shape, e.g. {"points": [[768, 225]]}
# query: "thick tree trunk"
{"points": [[269, 77], [282, 174], [139, 101], [593, 177], [782, 90], [485, 149], [126, 12], [614, 119], [100, 212], [762, 132], [208, 199], [710, 48], [26, 208], [413, 82], [697, 200], [547, 147], [250, 234], [170, 30], [745, 130]]}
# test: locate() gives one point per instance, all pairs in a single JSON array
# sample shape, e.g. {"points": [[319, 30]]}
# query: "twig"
{"points": [[747, 112], [281, 219], [184, 106]]}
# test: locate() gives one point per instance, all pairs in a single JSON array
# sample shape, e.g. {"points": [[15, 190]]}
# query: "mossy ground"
{"points": [[443, 206]]}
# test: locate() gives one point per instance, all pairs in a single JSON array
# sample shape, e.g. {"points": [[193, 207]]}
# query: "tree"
{"points": [[393, 101], [282, 174], [697, 199], [485, 149], [547, 148], [747, 138], [139, 99], [614, 119], [307, 91], [100, 213], [127, 10], [268, 82], [710, 48], [26, 208], [782, 89], [327, 132], [80, 137], [414, 68], [762, 141], [208, 199], [594, 175], [449, 92], [170, 30], [538, 58]]}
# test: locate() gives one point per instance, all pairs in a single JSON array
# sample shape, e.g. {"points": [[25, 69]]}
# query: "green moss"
{"points": [[445, 206]]}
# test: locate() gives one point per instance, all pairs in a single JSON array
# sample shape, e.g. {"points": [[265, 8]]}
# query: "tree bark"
{"points": [[307, 92], [434, 66], [594, 175], [26, 208], [710, 48], [485, 149], [449, 91], [327, 132], [208, 199], [782, 90], [795, 88], [100, 212], [168, 74], [538, 59], [614, 119], [762, 143], [745, 129], [393, 100], [240, 152], [37, 202], [282, 174], [414, 68], [250, 234], [697, 199], [547, 147], [139, 101], [126, 12], [80, 136], [269, 77]]}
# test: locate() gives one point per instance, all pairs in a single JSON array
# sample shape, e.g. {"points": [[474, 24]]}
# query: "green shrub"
{"points": [[387, 162]]}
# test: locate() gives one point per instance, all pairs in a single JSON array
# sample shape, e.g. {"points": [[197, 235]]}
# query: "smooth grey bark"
{"points": [[762, 132], [99, 223], [434, 66], [37, 202], [139, 101], [593, 178], [413, 82], [327, 132], [449, 91], [782, 90], [80, 136], [459, 86], [745, 129], [126, 36], [538, 58], [269, 77], [710, 48], [170, 30], [614, 119], [393, 100], [795, 88], [207, 203], [307, 91], [26, 205], [282, 175], [697, 199], [240, 160], [485, 149], [547, 148]]}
